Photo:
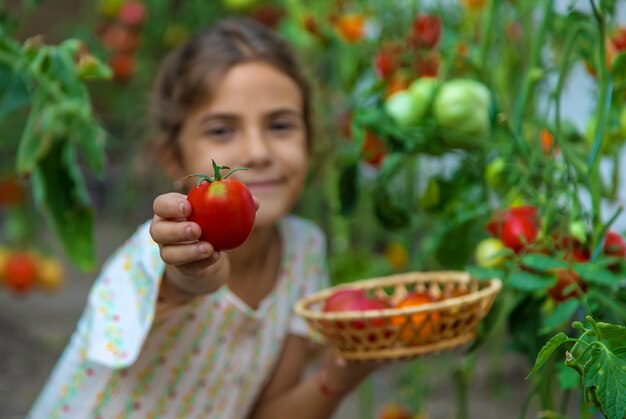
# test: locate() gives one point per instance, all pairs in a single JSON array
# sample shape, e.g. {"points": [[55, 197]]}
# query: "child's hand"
{"points": [[343, 376], [192, 265]]}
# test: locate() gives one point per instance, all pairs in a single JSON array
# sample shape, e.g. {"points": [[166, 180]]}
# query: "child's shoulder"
{"points": [[303, 230]]}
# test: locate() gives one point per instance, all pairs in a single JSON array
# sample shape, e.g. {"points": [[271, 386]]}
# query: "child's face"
{"points": [[254, 120]]}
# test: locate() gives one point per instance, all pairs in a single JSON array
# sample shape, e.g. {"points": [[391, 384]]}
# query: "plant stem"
{"points": [[565, 401], [604, 100], [462, 377], [531, 78]]}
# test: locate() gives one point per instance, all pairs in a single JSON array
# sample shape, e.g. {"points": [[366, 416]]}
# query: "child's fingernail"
{"points": [[189, 232], [182, 207], [203, 249]]}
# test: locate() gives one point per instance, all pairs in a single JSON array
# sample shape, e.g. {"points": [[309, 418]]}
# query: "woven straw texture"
{"points": [[461, 303]]}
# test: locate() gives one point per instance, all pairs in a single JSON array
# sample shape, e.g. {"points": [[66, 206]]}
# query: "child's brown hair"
{"points": [[188, 74]]}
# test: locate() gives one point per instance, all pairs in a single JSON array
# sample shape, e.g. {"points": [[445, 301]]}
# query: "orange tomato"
{"points": [[351, 27], [425, 324]]}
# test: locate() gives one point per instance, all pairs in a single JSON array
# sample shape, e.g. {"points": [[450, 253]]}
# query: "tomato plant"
{"points": [[223, 208], [568, 285]]}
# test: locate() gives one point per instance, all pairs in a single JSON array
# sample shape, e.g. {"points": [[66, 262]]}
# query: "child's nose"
{"points": [[257, 148]]}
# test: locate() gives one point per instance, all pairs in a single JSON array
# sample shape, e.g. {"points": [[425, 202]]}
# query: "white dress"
{"points": [[208, 359]]}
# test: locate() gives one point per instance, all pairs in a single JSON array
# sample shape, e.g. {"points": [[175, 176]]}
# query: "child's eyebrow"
{"points": [[283, 112]]}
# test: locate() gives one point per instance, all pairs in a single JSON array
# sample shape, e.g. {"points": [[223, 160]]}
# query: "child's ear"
{"points": [[170, 160]]}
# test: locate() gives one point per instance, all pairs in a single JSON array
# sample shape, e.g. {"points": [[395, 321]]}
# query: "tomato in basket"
{"points": [[424, 326], [355, 300]]}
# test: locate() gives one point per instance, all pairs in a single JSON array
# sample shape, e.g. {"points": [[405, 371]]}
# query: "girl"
{"points": [[173, 329]]}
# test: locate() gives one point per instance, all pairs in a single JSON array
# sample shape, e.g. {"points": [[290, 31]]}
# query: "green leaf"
{"points": [[14, 92], [525, 281], [484, 274], [568, 377], [348, 189], [543, 263], [59, 189], [606, 371], [545, 352], [614, 334], [92, 139], [390, 214], [595, 274], [618, 309], [561, 314], [34, 144]]}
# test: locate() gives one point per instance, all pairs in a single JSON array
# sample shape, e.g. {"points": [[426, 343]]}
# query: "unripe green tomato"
{"points": [[402, 109], [423, 90], [463, 106], [493, 172], [491, 253]]}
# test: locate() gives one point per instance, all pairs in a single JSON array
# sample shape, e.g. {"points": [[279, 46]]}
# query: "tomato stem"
{"points": [[217, 175]]}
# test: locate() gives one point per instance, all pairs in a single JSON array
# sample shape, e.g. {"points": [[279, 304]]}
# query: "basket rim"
{"points": [[493, 286]]}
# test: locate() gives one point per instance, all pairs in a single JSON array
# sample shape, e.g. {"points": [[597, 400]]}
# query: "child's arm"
{"points": [[316, 397]]}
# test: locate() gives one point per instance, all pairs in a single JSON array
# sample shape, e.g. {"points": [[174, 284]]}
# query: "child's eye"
{"points": [[219, 132], [281, 126]]}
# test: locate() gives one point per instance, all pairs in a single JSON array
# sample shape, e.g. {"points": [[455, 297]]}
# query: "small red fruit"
{"points": [[517, 227], [224, 209], [394, 411], [568, 285], [374, 150], [614, 245], [20, 272], [335, 301], [132, 13], [426, 31], [123, 66], [385, 64]]}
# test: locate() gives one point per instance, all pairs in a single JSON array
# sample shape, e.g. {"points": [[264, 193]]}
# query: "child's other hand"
{"points": [[192, 265], [343, 376]]}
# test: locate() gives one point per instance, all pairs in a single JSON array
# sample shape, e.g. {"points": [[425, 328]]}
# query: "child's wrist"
{"points": [[330, 387]]}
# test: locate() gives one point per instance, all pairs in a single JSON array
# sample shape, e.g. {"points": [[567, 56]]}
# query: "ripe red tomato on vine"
{"points": [[426, 31], [517, 227], [224, 209]]}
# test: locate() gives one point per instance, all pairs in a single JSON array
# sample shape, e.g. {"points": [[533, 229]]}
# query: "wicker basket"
{"points": [[396, 333]]}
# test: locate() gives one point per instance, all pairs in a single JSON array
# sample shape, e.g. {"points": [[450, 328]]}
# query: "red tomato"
{"points": [[516, 227], [132, 13], [20, 272], [426, 31], [575, 250], [224, 210], [335, 301], [354, 302], [123, 66], [614, 245], [385, 64], [519, 232], [566, 279], [374, 150]]}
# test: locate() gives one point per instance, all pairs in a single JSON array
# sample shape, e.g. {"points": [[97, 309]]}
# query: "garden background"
{"points": [[424, 183]]}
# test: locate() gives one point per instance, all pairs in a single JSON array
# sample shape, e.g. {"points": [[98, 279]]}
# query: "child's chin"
{"points": [[268, 215]]}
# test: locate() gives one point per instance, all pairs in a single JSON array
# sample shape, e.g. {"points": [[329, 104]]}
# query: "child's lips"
{"points": [[264, 184]]}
